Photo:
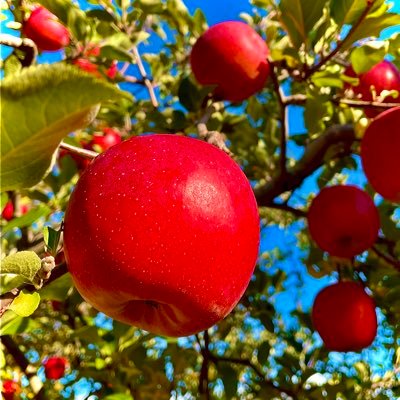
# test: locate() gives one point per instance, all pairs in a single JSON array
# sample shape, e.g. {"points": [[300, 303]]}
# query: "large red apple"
{"points": [[343, 220], [345, 317], [232, 56], [54, 367], [45, 29], [380, 154], [162, 232], [382, 76]]}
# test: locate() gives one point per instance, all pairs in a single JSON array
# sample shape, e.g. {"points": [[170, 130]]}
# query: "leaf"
{"points": [[58, 289], [116, 53], [190, 95], [118, 396], [263, 352], [25, 304], [299, 17], [51, 239], [229, 378], [3, 200], [24, 263], [363, 58], [39, 107], [27, 219], [349, 11], [12, 324]]}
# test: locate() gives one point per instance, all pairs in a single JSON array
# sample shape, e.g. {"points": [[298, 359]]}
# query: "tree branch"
{"points": [[146, 80], [335, 142], [340, 44], [395, 263], [28, 46], [284, 207]]}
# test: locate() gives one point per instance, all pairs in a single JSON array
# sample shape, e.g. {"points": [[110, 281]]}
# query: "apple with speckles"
{"points": [[343, 220], [344, 316], [162, 232], [380, 154], [232, 56]]}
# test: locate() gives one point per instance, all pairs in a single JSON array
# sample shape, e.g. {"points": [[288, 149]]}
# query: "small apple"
{"points": [[9, 389], [162, 232], [345, 317], [232, 56], [110, 138], [87, 66], [380, 154], [54, 367], [343, 220], [46, 30], [8, 211], [382, 76]]}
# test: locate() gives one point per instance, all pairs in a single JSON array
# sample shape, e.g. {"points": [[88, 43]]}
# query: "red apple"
{"points": [[111, 138], [380, 154], [9, 389], [382, 76], [345, 317], [54, 367], [46, 30], [343, 220], [87, 66], [162, 232], [232, 56], [8, 211]]}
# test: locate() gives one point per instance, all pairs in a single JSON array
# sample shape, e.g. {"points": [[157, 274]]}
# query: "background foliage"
{"points": [[266, 348]]}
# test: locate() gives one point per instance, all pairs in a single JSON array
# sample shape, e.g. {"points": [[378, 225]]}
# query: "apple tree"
{"points": [[237, 237]]}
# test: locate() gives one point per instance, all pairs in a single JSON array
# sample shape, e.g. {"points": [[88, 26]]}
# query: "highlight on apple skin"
{"points": [[46, 30], [343, 220], [162, 232], [380, 154], [344, 315], [232, 56], [382, 76]]}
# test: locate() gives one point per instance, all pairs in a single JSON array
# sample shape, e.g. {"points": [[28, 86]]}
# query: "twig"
{"points": [[146, 80], [335, 142], [28, 46], [340, 44], [203, 379], [284, 207], [283, 119], [387, 258], [79, 151]]}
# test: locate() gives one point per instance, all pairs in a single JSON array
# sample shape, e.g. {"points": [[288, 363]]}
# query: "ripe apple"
{"points": [[343, 220], [92, 68], [345, 317], [46, 30], [54, 367], [9, 389], [232, 56], [380, 154], [102, 143], [8, 211], [162, 232], [382, 76]]}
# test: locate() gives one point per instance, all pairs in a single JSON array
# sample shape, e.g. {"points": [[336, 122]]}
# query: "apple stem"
{"points": [[79, 151]]}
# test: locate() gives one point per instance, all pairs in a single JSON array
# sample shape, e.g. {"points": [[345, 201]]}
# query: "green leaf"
{"points": [[39, 107], [12, 324], [25, 304], [347, 12], [3, 200], [299, 17], [150, 6], [58, 289], [51, 239], [118, 396], [116, 53], [229, 378], [263, 352], [190, 95], [27, 219], [24, 263], [363, 58]]}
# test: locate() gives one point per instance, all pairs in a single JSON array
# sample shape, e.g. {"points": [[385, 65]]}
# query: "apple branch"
{"points": [[283, 118], [284, 207], [392, 261], [340, 44], [26, 45], [335, 142], [79, 151], [213, 137], [205, 352], [146, 80]]}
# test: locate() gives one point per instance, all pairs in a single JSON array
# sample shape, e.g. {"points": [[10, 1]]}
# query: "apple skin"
{"points": [[232, 56], [45, 29], [380, 154], [162, 232], [343, 220], [54, 367], [9, 389], [8, 211], [382, 76], [344, 316]]}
